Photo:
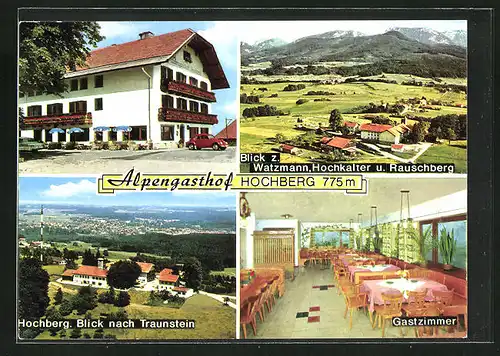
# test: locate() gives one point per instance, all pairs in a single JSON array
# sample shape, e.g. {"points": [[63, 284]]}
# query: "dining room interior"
{"points": [[339, 265]]}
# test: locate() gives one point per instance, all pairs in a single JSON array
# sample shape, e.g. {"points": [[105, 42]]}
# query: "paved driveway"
{"points": [[155, 161]]}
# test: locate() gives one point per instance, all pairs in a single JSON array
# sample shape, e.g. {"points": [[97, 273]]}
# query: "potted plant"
{"points": [[425, 243], [447, 247], [377, 241]]}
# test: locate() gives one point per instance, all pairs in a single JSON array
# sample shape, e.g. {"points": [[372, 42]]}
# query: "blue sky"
{"points": [[82, 191], [225, 46]]}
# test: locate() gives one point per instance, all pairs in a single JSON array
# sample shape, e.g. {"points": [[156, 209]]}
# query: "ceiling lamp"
{"points": [[286, 216]]}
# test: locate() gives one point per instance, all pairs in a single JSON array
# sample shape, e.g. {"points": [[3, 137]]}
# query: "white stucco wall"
{"points": [[125, 98]]}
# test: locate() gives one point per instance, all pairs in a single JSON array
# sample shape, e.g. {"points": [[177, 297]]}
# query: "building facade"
{"points": [[145, 270], [157, 89], [90, 275]]}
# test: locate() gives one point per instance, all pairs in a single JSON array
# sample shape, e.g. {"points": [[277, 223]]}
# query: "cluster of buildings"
{"points": [[96, 276], [157, 89]]}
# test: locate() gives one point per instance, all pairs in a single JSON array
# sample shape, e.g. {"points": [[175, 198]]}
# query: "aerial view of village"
{"points": [[102, 96], [355, 91], [167, 256]]}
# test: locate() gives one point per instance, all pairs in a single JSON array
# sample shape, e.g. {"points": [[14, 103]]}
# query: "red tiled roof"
{"points": [[69, 272], [160, 46], [375, 127], [167, 276], [91, 271], [228, 132], [145, 267], [398, 147], [287, 147], [325, 140], [180, 289], [350, 124], [339, 142], [156, 46]]}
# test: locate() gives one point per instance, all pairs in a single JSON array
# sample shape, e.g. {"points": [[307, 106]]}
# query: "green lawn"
{"points": [[445, 153], [213, 319]]}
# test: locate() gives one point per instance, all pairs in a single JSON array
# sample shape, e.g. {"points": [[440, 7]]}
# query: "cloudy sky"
{"points": [[226, 46], [82, 191]]}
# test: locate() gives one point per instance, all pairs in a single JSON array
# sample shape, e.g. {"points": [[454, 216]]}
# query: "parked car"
{"points": [[206, 141], [28, 144]]}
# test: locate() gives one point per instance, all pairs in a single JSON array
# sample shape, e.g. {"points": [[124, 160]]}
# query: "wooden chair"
{"points": [[354, 299], [424, 331], [390, 309], [266, 295], [259, 304], [419, 273], [416, 300], [247, 315], [443, 298], [274, 289], [456, 311]]}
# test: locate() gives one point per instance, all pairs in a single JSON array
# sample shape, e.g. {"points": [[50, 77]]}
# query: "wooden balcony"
{"points": [[177, 115], [70, 119], [185, 89]]}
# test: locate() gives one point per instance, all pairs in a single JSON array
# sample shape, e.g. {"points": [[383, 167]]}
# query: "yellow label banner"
{"points": [[136, 181]]}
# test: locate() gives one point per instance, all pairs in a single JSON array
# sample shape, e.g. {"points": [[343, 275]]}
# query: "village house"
{"points": [[351, 127], [382, 133], [289, 149], [91, 275], [157, 89], [183, 292], [146, 269], [338, 143], [167, 280], [397, 147]]}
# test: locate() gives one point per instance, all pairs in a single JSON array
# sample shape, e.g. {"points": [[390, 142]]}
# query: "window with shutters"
{"points": [[83, 83], [55, 109], [167, 101], [194, 106], [181, 104], [98, 81], [35, 110], [98, 104], [193, 81], [74, 85], [180, 77], [78, 107]]}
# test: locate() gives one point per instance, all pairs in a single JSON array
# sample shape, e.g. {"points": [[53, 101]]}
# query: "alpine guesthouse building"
{"points": [[157, 89]]}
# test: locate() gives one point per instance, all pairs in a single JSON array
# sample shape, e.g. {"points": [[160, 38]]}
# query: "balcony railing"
{"points": [[71, 119], [177, 115], [188, 90]]}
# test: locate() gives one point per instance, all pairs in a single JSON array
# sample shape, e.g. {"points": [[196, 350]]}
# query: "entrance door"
{"points": [[193, 131], [274, 247], [37, 134]]}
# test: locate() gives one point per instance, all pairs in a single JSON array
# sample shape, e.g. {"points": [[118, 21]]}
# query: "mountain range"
{"points": [[396, 44]]}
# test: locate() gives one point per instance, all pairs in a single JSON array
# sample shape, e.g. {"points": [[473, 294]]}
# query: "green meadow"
{"points": [[257, 133]]}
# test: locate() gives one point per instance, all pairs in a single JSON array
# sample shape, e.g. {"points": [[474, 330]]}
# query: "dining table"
{"points": [[375, 288], [261, 279], [371, 268]]}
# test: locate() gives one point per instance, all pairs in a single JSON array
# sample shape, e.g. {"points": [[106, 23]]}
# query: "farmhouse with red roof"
{"points": [[167, 280], [146, 269], [383, 133], [337, 143], [91, 275], [351, 127], [157, 88]]}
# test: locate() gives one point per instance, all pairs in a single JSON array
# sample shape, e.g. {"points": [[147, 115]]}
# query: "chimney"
{"points": [[146, 34], [100, 263]]}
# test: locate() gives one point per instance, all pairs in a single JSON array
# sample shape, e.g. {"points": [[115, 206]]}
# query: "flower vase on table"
{"points": [[246, 277]]}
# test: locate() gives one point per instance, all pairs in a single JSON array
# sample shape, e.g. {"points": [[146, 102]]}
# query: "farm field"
{"points": [[257, 134], [457, 150]]}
